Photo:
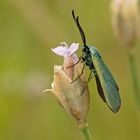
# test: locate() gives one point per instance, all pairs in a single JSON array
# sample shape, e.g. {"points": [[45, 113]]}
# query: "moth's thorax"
{"points": [[87, 58], [93, 50]]}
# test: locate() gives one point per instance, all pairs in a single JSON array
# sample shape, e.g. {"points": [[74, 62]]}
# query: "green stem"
{"points": [[86, 133], [134, 79]]}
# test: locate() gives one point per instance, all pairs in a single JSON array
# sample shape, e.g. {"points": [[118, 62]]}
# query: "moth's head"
{"points": [[85, 49]]}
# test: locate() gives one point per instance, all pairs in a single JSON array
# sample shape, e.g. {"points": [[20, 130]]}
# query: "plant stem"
{"points": [[86, 133], [134, 79]]}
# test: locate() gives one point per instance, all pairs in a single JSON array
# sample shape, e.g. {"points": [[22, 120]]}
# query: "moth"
{"points": [[106, 84]]}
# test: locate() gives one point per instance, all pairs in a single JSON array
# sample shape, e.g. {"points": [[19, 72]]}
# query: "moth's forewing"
{"points": [[107, 82]]}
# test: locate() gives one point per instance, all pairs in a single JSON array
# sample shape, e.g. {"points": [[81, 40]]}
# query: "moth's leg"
{"points": [[92, 74], [75, 63], [80, 73], [80, 59], [89, 78]]}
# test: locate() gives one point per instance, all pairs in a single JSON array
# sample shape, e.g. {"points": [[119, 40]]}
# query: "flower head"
{"points": [[73, 97], [126, 20]]}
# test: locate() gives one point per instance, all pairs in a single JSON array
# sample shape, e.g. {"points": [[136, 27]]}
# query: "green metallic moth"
{"points": [[106, 84]]}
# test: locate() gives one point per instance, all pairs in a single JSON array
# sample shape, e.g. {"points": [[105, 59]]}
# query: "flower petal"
{"points": [[73, 48], [60, 50]]}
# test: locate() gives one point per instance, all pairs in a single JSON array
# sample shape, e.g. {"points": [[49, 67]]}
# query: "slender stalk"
{"points": [[86, 133], [134, 79]]}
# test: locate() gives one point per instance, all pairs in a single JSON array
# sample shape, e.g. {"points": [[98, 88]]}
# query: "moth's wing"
{"points": [[107, 83], [99, 88]]}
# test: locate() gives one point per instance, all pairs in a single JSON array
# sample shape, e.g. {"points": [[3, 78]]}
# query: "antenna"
{"points": [[76, 19]]}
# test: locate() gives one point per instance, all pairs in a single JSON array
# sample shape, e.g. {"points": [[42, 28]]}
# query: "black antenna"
{"points": [[76, 19]]}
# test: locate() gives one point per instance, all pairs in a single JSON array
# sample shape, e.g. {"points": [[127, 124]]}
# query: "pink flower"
{"points": [[69, 57], [73, 97], [64, 50]]}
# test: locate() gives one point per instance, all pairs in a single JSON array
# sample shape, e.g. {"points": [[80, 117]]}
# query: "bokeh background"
{"points": [[28, 30]]}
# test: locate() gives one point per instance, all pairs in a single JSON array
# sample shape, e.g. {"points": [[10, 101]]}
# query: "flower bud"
{"points": [[72, 96], [126, 21]]}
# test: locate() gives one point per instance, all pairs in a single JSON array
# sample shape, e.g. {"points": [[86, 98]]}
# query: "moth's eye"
{"points": [[87, 50]]}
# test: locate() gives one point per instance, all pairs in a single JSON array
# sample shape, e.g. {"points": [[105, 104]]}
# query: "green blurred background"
{"points": [[28, 30]]}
